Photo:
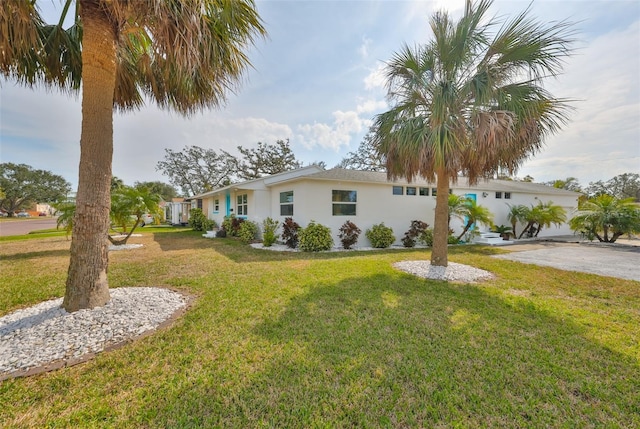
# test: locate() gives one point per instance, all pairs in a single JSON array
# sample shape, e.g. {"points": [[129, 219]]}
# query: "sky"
{"points": [[317, 81]]}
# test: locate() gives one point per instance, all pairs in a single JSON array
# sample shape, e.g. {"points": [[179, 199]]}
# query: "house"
{"points": [[176, 211], [331, 197]]}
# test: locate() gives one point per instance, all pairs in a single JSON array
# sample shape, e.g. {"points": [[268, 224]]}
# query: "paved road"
{"points": [[613, 261], [24, 226]]}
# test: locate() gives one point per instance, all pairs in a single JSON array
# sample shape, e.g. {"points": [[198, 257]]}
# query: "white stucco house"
{"points": [[366, 198]]}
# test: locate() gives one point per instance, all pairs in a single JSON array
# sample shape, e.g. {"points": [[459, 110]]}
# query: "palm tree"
{"points": [[128, 206], [474, 213], [603, 215], [457, 207], [183, 55], [542, 215], [517, 214], [470, 102]]}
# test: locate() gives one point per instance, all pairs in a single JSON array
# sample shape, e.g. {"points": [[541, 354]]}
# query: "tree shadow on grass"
{"points": [[397, 351], [34, 255]]}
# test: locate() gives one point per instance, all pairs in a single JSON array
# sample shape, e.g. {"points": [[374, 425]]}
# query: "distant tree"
{"points": [[622, 186], [366, 157], [165, 190], [116, 183], [196, 170], [606, 218], [265, 160], [527, 179], [570, 184], [22, 186]]}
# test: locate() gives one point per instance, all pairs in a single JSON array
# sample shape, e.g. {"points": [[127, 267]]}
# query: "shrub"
{"points": [[231, 224], [315, 238], [349, 234], [248, 231], [415, 231], [290, 232], [269, 227], [221, 233], [426, 237], [209, 224], [452, 239], [197, 220], [380, 236]]}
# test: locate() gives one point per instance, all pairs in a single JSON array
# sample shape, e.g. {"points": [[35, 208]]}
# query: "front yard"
{"points": [[337, 340]]}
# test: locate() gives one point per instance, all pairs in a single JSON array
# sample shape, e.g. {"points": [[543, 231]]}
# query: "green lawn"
{"points": [[337, 340]]}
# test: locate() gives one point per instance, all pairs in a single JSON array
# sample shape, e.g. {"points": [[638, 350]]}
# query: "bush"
{"points": [[290, 232], [269, 227], [416, 229], [232, 224], [380, 236], [197, 220], [426, 237], [248, 231], [208, 225], [349, 234], [221, 233], [452, 239], [315, 238]]}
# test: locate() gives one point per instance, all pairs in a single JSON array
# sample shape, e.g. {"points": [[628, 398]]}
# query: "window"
{"points": [[397, 190], [507, 195], [216, 206], [286, 203], [344, 203], [199, 203], [434, 192], [241, 205], [411, 190], [424, 192], [498, 194]]}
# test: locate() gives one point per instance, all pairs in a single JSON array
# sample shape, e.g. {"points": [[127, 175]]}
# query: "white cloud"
{"points": [[370, 106], [331, 136], [364, 47], [375, 79]]}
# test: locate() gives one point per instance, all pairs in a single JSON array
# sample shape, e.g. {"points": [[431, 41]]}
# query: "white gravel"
{"points": [[453, 272], [45, 333], [114, 248]]}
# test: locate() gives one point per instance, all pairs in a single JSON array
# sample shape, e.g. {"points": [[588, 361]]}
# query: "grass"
{"points": [[337, 340]]}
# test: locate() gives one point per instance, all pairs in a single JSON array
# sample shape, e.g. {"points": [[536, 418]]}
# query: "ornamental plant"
{"points": [[248, 231], [349, 234], [380, 236], [290, 232], [197, 219], [315, 238], [231, 225], [269, 228], [416, 229]]}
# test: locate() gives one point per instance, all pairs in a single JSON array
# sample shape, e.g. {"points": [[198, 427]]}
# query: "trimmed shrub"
{"points": [[248, 231], [426, 237], [349, 234], [380, 236], [209, 224], [269, 227], [315, 238], [290, 232], [231, 224], [197, 220], [416, 229]]}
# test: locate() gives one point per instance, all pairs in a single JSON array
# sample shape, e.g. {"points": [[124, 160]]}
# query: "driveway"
{"points": [[25, 226], [622, 261]]}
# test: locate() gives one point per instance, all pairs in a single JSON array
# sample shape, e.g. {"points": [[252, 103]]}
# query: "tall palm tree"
{"points": [[607, 218], [183, 55], [474, 213], [471, 101]]}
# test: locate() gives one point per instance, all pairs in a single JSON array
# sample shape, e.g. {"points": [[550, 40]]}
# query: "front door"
{"points": [[227, 204]]}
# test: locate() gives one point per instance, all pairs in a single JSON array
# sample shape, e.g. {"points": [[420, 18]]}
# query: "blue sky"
{"points": [[316, 81]]}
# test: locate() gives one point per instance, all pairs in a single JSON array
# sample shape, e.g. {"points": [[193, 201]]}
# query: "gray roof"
{"points": [[341, 174]]}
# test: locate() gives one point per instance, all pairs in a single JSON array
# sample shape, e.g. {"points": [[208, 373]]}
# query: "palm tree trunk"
{"points": [[87, 284], [466, 228], [440, 223]]}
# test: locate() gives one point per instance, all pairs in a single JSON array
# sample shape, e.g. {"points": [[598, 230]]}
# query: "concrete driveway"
{"points": [[622, 261]]}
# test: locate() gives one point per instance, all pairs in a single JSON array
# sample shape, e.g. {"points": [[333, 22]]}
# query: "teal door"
{"points": [[466, 219], [227, 204]]}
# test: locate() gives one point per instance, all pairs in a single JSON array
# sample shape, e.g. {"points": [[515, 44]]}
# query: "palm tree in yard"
{"points": [[542, 215], [471, 102], [517, 213], [607, 218], [474, 213], [183, 55]]}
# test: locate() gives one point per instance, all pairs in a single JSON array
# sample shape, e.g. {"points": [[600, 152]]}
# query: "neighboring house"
{"points": [[176, 211], [331, 197]]}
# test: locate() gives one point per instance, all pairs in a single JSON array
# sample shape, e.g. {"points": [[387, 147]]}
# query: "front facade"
{"points": [[331, 197]]}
